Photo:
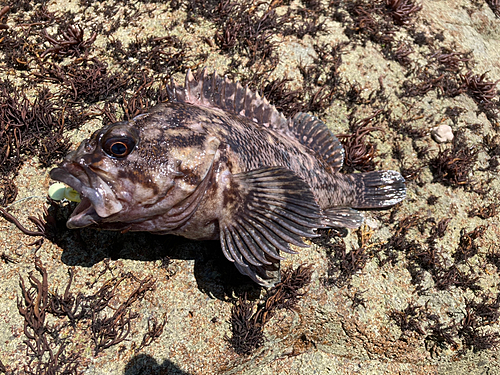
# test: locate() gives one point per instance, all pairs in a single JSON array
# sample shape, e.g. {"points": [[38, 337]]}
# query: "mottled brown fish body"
{"points": [[219, 162]]}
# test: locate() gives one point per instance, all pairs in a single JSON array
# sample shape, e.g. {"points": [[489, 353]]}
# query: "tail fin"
{"points": [[378, 189]]}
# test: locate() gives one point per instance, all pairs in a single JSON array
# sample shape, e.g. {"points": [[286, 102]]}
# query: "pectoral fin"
{"points": [[266, 210]]}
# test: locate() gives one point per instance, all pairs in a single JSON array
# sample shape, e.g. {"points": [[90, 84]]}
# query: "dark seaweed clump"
{"points": [[248, 321], [343, 265], [467, 332], [471, 330], [359, 154], [453, 166], [106, 319]]}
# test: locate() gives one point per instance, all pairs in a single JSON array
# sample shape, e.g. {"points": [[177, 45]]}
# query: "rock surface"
{"points": [[414, 292]]}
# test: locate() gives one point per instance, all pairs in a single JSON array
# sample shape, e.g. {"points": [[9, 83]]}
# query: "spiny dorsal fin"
{"points": [[314, 134], [210, 90]]}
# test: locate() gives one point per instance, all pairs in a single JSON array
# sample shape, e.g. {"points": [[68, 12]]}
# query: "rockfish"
{"points": [[217, 161]]}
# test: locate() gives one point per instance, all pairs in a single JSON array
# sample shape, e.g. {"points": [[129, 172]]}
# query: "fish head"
{"points": [[130, 172]]}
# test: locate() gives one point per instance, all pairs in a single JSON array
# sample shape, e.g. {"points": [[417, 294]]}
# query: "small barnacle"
{"points": [[442, 133]]}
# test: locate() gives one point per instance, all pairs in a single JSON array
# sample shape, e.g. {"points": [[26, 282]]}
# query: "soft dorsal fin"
{"points": [[314, 134], [211, 90]]}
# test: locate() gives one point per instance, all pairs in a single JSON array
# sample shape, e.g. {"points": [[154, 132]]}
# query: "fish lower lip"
{"points": [[83, 215]]}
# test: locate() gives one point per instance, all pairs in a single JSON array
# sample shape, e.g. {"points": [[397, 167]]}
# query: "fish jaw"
{"points": [[98, 199]]}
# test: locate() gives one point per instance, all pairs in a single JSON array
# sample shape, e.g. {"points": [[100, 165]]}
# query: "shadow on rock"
{"points": [[146, 365], [215, 275]]}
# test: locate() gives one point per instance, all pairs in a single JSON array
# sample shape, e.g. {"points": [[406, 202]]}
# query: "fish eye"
{"points": [[118, 147]]}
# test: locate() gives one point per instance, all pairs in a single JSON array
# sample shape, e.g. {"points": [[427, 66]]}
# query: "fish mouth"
{"points": [[98, 200]]}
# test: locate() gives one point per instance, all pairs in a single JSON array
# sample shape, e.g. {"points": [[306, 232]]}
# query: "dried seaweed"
{"points": [[401, 54], [358, 300], [69, 42], [3, 12], [246, 331], [46, 225], [165, 55], [343, 265], [51, 353], [471, 329], [453, 166], [410, 319], [3, 368], [402, 11], [155, 329], [467, 246], [47, 351], [248, 321], [441, 335], [481, 90], [448, 60], [8, 191], [358, 153], [111, 330], [86, 80], [286, 294], [287, 101], [247, 28], [28, 128]]}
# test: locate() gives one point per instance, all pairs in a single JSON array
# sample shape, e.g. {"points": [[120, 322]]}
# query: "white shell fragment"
{"points": [[442, 133], [59, 191]]}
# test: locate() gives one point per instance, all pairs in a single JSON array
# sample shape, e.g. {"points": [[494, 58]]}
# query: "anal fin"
{"points": [[343, 217], [266, 210]]}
